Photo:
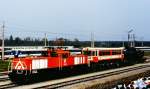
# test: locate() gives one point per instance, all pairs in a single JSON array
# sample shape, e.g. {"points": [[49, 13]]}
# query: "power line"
{"points": [[23, 29], [45, 40], [39, 33]]}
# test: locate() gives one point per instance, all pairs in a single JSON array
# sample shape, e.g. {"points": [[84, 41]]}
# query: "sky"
{"points": [[108, 19]]}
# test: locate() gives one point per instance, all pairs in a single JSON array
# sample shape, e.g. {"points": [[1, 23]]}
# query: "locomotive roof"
{"points": [[61, 51], [100, 48]]}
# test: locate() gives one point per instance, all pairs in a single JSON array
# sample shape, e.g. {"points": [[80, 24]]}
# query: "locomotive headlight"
{"points": [[125, 50], [34, 71]]}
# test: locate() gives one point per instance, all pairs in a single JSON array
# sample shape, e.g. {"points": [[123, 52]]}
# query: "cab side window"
{"points": [[54, 54], [87, 53], [44, 53]]}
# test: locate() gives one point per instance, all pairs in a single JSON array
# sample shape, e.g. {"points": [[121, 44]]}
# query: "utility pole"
{"points": [[92, 40], [45, 40], [133, 40], [142, 44], [129, 36], [3, 27], [123, 43]]}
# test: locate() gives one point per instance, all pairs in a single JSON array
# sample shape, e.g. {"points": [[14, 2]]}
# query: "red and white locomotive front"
{"points": [[57, 59]]}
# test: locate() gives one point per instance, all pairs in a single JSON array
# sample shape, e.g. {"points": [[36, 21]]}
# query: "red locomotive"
{"points": [[22, 69]]}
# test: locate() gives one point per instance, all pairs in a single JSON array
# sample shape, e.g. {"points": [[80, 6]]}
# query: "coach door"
{"points": [[65, 58]]}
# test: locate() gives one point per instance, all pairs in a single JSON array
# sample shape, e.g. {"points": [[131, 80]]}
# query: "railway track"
{"points": [[61, 83], [3, 73], [10, 85], [85, 79], [3, 76], [7, 84], [4, 81]]}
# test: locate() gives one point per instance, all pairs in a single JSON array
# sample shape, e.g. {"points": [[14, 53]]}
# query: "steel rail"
{"points": [[3, 73], [85, 79], [4, 79], [10, 85]]}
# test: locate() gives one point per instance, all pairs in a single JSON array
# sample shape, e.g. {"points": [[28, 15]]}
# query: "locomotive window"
{"points": [[7, 53], [87, 53], [54, 54], [44, 54], [28, 52]]}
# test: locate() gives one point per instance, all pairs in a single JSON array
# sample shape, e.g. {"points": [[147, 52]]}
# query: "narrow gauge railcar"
{"points": [[22, 69], [104, 56]]}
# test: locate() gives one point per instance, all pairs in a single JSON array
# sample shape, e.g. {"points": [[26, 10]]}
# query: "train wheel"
{"points": [[19, 78], [117, 64]]}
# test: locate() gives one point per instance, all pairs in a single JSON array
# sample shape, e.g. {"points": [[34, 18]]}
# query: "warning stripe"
{"points": [[19, 66]]}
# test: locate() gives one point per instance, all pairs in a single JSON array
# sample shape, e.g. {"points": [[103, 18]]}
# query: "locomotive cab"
{"points": [[56, 53]]}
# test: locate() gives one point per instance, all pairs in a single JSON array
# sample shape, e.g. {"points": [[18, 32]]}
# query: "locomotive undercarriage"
{"points": [[24, 77]]}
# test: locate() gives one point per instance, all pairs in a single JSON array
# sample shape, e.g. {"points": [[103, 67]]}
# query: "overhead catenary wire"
{"points": [[39, 31], [22, 30]]}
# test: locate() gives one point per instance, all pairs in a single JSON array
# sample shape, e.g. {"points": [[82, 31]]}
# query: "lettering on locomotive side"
{"points": [[79, 60], [39, 63]]}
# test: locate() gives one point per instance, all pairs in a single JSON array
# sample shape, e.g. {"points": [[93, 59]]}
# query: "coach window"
{"points": [[93, 53], [116, 52], [103, 52], [113, 52], [107, 52], [99, 53]]}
